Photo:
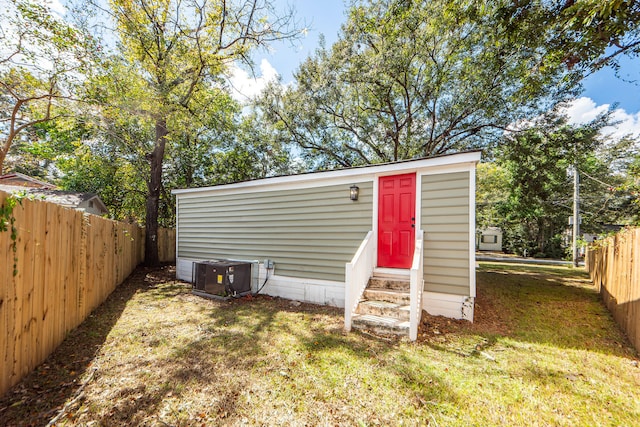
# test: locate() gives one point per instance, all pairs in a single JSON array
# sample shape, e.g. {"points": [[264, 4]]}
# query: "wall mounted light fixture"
{"points": [[353, 192]]}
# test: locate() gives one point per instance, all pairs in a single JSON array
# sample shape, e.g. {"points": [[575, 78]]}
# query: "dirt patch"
{"points": [[154, 354], [85, 354], [488, 318]]}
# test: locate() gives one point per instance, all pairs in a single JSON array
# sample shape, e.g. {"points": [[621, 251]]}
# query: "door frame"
{"points": [[376, 194]]}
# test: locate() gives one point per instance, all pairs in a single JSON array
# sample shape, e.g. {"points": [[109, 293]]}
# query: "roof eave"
{"points": [[473, 157]]}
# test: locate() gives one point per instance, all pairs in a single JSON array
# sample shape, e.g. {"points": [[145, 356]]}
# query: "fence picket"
{"points": [[67, 264], [39, 230], [614, 266], [25, 275], [4, 291]]}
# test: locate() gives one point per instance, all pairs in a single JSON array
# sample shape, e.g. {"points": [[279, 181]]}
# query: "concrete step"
{"points": [[391, 273], [382, 294], [380, 324], [389, 283], [384, 309]]}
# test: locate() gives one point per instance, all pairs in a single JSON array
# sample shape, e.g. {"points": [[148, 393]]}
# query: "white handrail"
{"points": [[416, 287], [357, 274]]}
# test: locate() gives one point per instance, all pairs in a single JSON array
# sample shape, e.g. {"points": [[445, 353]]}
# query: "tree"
{"points": [[539, 196], [260, 151], [616, 193], [492, 192], [174, 50], [631, 186], [40, 60], [591, 34], [416, 78], [103, 148], [103, 155]]}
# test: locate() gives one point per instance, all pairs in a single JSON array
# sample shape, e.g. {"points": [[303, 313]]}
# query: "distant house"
{"points": [[87, 202], [490, 239], [21, 180]]}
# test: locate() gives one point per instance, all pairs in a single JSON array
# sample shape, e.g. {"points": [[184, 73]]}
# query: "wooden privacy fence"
{"points": [[167, 244], [614, 266], [66, 264]]}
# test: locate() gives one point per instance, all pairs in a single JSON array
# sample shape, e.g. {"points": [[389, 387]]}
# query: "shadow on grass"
{"points": [[217, 351], [243, 344], [553, 306], [39, 396]]}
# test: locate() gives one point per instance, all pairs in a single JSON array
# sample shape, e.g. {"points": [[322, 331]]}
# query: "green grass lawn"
{"points": [[543, 351]]}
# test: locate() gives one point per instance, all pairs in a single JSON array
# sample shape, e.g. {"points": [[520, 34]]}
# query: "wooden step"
{"points": [[380, 324], [389, 295], [384, 309]]}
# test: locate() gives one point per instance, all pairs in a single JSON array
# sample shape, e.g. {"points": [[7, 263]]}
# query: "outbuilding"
{"points": [[384, 241], [490, 239]]}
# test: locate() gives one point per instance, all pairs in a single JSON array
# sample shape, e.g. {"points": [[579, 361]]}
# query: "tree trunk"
{"points": [[541, 235], [3, 155], [4, 150], [151, 256]]}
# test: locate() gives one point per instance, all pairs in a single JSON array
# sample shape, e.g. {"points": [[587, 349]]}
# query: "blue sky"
{"points": [[601, 90], [320, 17], [604, 87], [326, 16]]}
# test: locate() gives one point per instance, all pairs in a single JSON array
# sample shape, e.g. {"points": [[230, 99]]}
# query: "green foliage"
{"points": [[581, 36], [627, 186], [413, 79], [171, 56], [6, 215], [595, 33], [528, 192], [253, 152], [105, 171], [106, 154], [8, 224], [492, 191], [404, 80], [41, 60]]}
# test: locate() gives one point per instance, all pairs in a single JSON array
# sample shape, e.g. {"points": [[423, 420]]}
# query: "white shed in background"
{"points": [[490, 239]]}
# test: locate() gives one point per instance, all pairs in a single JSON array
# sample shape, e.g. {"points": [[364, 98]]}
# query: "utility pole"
{"points": [[576, 213]]}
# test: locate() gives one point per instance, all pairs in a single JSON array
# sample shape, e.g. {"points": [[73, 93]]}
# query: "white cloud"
{"points": [[628, 124], [245, 86], [583, 110]]}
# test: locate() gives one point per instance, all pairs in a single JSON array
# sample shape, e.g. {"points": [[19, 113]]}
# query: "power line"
{"points": [[597, 180]]}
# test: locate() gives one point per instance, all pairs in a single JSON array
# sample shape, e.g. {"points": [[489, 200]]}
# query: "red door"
{"points": [[396, 220]]}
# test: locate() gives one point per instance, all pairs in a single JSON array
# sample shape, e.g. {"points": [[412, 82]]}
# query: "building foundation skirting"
{"points": [[448, 305], [332, 293], [323, 292]]}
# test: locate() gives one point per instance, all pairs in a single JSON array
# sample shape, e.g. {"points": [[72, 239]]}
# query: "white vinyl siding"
{"points": [[309, 232], [445, 221]]}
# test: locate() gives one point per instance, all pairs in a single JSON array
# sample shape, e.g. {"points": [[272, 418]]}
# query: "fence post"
{"points": [[615, 271], [68, 263]]}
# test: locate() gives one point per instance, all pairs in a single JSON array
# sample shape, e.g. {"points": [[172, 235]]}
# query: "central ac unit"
{"points": [[222, 278]]}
